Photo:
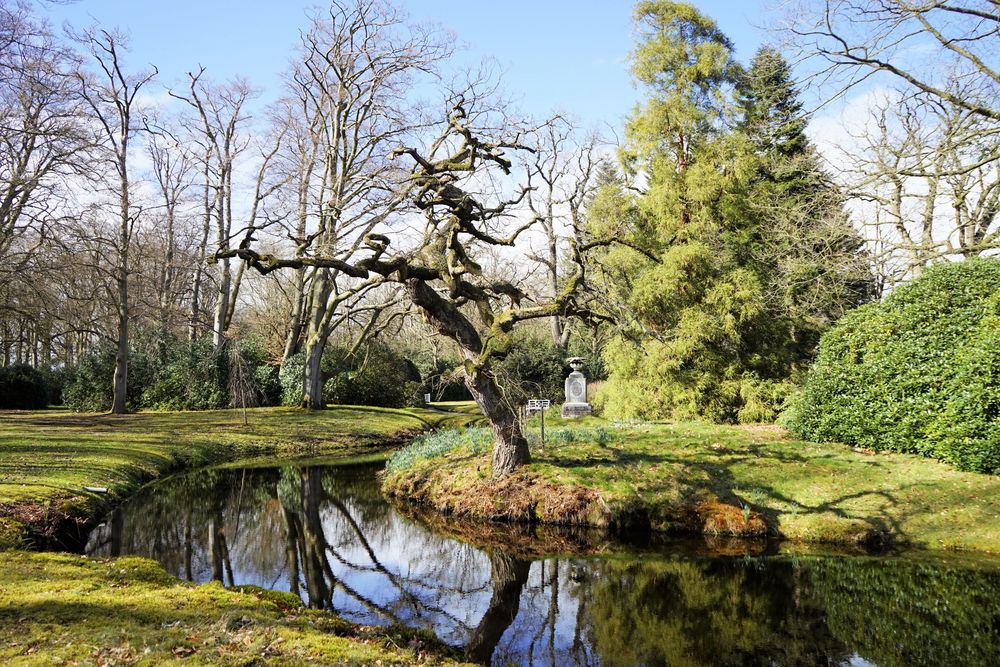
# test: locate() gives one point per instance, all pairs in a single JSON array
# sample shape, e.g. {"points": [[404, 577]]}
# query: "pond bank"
{"points": [[518, 595], [49, 458], [717, 480], [57, 607]]}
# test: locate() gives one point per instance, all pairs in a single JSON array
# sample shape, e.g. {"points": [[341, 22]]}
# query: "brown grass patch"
{"points": [[717, 518], [49, 523], [522, 497]]}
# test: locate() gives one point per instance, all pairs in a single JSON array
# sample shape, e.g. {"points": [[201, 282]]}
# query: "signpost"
{"points": [[539, 405]]}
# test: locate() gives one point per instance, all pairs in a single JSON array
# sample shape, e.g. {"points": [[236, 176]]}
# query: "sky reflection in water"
{"points": [[326, 534]]}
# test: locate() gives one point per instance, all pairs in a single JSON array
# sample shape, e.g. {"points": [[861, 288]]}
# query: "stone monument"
{"points": [[576, 404]]}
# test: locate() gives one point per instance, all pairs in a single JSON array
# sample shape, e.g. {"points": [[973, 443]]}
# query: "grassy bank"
{"points": [[47, 458], [68, 610], [723, 480]]}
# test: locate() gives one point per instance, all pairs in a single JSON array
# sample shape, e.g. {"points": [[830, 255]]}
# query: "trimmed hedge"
{"points": [[918, 372]]}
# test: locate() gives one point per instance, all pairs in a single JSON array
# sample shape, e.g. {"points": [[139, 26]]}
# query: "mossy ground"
{"points": [[48, 457], [66, 609], [741, 480], [70, 610]]}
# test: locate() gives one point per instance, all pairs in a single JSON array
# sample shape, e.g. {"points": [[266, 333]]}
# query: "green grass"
{"points": [[803, 491], [70, 610], [48, 457], [464, 407]]}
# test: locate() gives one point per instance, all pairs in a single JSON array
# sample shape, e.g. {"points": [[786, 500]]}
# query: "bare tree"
{"points": [[221, 117], [172, 171], [929, 175], [854, 39], [439, 272], [348, 108], [111, 94], [41, 142], [561, 181]]}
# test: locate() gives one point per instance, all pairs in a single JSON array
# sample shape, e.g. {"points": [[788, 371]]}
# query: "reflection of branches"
{"points": [[398, 582]]}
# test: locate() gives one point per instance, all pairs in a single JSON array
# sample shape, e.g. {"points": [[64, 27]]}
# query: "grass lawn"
{"points": [[717, 479], [48, 457], [70, 610]]}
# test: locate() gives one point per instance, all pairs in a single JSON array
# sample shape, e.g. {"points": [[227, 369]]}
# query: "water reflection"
{"points": [[327, 535]]}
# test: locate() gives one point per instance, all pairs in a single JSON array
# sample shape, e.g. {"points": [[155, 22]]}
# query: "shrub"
{"points": [[23, 388], [290, 379], [376, 375], [90, 389], [55, 382], [188, 376], [264, 375], [167, 373], [268, 382], [439, 377], [535, 368], [918, 372]]}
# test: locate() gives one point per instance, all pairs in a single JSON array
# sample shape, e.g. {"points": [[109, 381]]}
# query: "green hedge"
{"points": [[166, 373], [23, 387], [918, 372], [375, 375]]}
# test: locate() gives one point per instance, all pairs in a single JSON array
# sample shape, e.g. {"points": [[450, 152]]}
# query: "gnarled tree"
{"points": [[438, 273]]}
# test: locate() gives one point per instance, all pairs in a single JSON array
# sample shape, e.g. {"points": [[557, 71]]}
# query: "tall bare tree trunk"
{"points": [[121, 355], [219, 325], [124, 240], [194, 323]]}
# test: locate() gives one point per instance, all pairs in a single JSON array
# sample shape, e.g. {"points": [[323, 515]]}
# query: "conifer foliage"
{"points": [[737, 253]]}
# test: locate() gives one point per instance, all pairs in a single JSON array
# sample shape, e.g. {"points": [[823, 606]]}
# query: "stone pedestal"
{"points": [[576, 404]]}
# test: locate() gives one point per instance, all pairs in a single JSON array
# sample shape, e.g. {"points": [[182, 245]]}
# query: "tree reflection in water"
{"points": [[327, 535]]}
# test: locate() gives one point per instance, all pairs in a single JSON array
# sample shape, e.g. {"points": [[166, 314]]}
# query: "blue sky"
{"points": [[556, 55]]}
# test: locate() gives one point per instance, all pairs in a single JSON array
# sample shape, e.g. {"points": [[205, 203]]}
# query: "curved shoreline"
{"points": [[695, 478], [47, 458]]}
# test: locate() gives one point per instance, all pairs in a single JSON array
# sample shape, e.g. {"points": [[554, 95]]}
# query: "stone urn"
{"points": [[576, 404]]}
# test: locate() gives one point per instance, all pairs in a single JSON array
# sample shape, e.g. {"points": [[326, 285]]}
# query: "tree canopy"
{"points": [[741, 253]]}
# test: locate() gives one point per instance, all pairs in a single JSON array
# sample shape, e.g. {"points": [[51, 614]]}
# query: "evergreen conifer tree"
{"points": [[736, 251]]}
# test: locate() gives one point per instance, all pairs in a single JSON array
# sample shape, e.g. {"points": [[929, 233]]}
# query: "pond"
{"points": [[324, 533]]}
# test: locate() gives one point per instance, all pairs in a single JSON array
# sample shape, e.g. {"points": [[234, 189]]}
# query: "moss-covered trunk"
{"points": [[511, 447]]}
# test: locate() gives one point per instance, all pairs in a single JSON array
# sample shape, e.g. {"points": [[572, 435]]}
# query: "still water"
{"points": [[325, 534]]}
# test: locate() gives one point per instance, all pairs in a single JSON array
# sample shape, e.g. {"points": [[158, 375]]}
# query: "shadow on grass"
{"points": [[709, 476]]}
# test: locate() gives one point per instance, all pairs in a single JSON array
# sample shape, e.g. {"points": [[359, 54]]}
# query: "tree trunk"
{"points": [[312, 374], [124, 241], [194, 323], [219, 325], [295, 317], [121, 356], [510, 449], [317, 334]]}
